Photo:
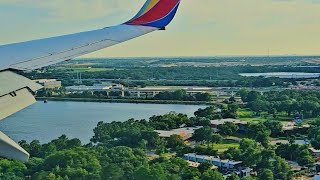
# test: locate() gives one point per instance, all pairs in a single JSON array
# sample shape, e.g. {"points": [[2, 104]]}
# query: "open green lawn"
{"points": [[167, 155], [250, 116], [225, 145], [253, 120], [245, 113]]}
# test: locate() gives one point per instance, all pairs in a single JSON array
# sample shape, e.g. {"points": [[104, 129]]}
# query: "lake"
{"points": [[45, 122]]}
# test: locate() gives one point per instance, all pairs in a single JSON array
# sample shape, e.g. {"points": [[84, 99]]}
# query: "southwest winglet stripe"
{"points": [[165, 20], [156, 13], [146, 7], [150, 5]]}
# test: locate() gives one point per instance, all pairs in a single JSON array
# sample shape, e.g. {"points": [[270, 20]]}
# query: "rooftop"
{"points": [[185, 132], [168, 88], [196, 164], [213, 158], [313, 150], [222, 121]]}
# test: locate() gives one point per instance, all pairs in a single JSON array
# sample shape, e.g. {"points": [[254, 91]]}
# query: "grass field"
{"points": [[253, 120], [250, 116], [225, 145], [245, 113]]}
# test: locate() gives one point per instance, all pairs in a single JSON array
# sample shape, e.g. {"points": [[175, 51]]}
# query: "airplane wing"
{"points": [[16, 92]]}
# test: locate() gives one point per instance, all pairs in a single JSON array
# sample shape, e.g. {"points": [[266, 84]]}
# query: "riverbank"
{"points": [[133, 101]]}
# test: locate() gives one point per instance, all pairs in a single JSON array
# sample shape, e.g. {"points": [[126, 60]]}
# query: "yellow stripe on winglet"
{"points": [[150, 5]]}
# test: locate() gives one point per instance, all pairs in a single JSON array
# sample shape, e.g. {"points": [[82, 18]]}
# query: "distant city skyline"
{"points": [[201, 28]]}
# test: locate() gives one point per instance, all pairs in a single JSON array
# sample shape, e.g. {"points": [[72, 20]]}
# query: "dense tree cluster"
{"points": [[314, 135], [218, 111], [228, 128], [304, 103], [295, 152], [131, 133], [64, 159], [265, 160]]}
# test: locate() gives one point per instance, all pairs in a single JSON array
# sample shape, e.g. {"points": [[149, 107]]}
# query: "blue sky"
{"points": [[201, 28]]}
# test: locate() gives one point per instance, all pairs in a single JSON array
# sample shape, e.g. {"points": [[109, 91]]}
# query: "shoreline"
{"points": [[132, 101]]}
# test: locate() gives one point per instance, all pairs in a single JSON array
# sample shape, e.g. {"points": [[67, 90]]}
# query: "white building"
{"points": [[223, 163], [96, 87], [49, 83]]}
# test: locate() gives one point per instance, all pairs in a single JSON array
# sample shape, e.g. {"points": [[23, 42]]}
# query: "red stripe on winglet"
{"points": [[159, 11]]}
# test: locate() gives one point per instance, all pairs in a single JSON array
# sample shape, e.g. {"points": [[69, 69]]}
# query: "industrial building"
{"points": [[49, 83]]}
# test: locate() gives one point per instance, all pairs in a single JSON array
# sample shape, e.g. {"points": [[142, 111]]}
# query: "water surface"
{"points": [[77, 119]]}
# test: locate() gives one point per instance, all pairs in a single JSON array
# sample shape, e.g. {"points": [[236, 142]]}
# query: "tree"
{"points": [[155, 172], [280, 168], [211, 174], [11, 169], [305, 158], [267, 155], [216, 138], [175, 141], [243, 94], [35, 148], [168, 121], [232, 99], [129, 133], [203, 97], [112, 171], [295, 152], [230, 111], [263, 138], [210, 112], [274, 126], [266, 174], [199, 121], [79, 163], [205, 166], [203, 134], [233, 153], [314, 135], [233, 177], [228, 128], [249, 152], [253, 96], [259, 132]]}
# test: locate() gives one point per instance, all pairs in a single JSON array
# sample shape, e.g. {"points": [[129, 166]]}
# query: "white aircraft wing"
{"points": [[16, 92], [40, 53]]}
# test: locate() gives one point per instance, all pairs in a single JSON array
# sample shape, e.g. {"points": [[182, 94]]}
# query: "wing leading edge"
{"points": [[16, 92]]}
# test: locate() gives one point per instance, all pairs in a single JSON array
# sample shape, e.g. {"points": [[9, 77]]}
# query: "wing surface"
{"points": [[17, 92]]}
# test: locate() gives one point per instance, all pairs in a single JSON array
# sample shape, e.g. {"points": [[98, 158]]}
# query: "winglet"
{"points": [[156, 13]]}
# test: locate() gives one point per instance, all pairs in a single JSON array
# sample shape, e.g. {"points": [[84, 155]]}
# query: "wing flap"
{"points": [[10, 149], [10, 104], [16, 93]]}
